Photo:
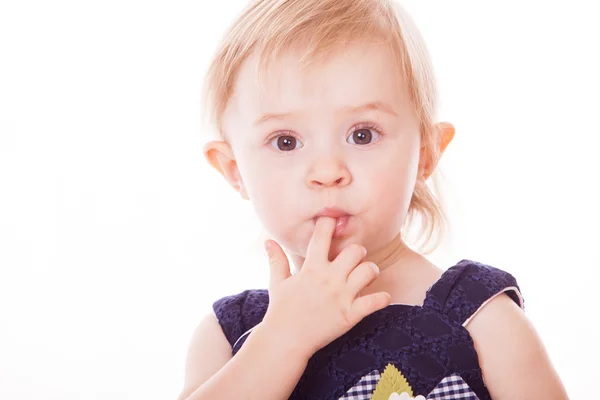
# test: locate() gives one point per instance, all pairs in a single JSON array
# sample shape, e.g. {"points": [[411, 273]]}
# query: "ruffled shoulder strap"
{"points": [[466, 287], [238, 314]]}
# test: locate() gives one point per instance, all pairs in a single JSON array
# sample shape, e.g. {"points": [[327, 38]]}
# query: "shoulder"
{"points": [[240, 312], [479, 279], [211, 344], [466, 287], [512, 356]]}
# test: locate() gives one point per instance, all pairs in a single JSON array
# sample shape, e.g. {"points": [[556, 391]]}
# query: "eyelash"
{"points": [[362, 125]]}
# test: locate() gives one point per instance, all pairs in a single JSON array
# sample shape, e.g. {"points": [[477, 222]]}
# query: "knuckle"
{"points": [[362, 251], [375, 268], [348, 314], [368, 301], [323, 281], [368, 269], [356, 249]]}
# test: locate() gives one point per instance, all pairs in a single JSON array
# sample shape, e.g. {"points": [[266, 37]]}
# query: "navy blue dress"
{"points": [[429, 345]]}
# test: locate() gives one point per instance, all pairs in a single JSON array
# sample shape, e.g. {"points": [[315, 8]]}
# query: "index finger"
{"points": [[320, 241]]}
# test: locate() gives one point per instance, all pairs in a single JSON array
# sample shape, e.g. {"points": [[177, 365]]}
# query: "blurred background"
{"points": [[116, 236]]}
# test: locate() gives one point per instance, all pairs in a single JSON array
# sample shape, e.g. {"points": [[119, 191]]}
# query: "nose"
{"points": [[328, 173]]}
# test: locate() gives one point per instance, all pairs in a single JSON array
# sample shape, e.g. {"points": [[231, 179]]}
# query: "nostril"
{"points": [[337, 182]]}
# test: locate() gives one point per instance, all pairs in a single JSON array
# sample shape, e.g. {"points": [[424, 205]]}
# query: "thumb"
{"points": [[280, 268]]}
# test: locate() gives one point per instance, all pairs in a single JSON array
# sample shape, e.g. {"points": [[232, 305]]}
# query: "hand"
{"points": [[319, 303]]}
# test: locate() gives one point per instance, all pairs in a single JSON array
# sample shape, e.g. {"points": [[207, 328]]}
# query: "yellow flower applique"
{"points": [[393, 386]]}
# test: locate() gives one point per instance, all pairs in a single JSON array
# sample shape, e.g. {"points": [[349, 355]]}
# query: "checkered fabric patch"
{"points": [[452, 387], [364, 389]]}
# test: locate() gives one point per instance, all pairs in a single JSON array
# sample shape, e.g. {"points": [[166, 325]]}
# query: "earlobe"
{"points": [[220, 156]]}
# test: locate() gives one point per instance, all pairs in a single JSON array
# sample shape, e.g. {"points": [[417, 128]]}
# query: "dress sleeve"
{"points": [[468, 286], [240, 312]]}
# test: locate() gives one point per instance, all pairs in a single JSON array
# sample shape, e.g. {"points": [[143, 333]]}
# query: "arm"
{"points": [[208, 352], [306, 311], [266, 367], [513, 359]]}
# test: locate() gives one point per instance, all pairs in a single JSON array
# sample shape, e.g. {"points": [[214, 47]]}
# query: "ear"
{"points": [[220, 156], [445, 135]]}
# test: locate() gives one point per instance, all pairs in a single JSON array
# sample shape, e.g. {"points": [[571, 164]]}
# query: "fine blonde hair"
{"points": [[268, 28]]}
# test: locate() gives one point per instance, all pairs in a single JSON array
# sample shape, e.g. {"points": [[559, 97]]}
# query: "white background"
{"points": [[116, 236]]}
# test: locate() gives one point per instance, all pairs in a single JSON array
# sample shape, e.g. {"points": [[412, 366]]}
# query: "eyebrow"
{"points": [[375, 105], [268, 117]]}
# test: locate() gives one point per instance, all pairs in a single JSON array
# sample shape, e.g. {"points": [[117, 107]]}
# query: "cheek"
{"points": [[390, 197], [274, 195], [392, 182]]}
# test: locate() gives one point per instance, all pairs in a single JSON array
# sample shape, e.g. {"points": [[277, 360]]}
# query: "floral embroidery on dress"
{"points": [[393, 386]]}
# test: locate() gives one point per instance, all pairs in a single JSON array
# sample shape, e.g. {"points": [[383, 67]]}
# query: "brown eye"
{"points": [[362, 136], [286, 143]]}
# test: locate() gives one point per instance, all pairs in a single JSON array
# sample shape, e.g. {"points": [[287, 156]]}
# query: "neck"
{"points": [[390, 254]]}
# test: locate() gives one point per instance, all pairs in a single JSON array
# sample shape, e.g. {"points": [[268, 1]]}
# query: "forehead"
{"points": [[350, 77]]}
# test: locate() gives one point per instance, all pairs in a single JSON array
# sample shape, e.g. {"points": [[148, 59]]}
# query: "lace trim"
{"points": [[240, 338], [513, 288]]}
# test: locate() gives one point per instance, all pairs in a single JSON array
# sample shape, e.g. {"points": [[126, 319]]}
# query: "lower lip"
{"points": [[341, 225]]}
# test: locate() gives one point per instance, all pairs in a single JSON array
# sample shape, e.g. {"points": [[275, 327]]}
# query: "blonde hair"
{"points": [[269, 27]]}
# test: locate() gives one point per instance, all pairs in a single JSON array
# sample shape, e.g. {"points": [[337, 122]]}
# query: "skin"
{"points": [[326, 168], [332, 162]]}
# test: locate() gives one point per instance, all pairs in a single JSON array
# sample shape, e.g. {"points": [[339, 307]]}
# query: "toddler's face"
{"points": [[341, 134]]}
